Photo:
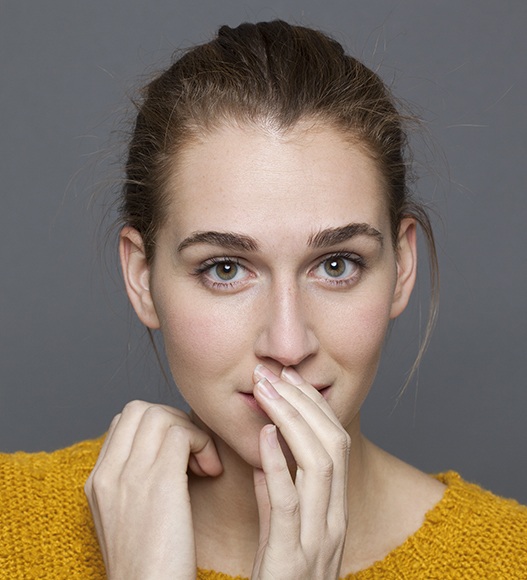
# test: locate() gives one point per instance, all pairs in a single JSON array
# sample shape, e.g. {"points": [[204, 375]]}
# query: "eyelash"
{"points": [[357, 260], [209, 264], [201, 270]]}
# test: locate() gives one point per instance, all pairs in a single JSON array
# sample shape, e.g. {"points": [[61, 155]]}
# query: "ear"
{"points": [[406, 265], [136, 273]]}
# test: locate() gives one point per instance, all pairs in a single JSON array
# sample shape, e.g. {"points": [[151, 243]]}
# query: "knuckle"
{"points": [[130, 483], [135, 407], [290, 507], [115, 420], [154, 413], [178, 432], [98, 482], [176, 412], [324, 467], [341, 441], [291, 415]]}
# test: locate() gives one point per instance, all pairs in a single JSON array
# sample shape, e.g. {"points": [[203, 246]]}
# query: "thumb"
{"points": [[204, 459]]}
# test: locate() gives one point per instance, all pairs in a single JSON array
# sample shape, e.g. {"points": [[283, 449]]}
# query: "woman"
{"points": [[269, 234]]}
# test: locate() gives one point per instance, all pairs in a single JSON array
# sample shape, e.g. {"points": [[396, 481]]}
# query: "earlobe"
{"points": [[136, 273], [406, 266]]}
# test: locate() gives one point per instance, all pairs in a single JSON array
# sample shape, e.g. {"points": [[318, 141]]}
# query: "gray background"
{"points": [[71, 353]]}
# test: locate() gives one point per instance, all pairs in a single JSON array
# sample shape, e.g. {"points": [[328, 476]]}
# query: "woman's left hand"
{"points": [[303, 521]]}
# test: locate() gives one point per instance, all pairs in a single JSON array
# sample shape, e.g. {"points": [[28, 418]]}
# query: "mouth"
{"points": [[323, 390], [253, 404], [250, 400]]}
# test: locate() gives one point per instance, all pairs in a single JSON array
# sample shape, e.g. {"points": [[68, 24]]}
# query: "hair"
{"points": [[269, 74]]}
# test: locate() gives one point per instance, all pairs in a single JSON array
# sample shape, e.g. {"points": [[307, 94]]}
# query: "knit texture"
{"points": [[46, 530]]}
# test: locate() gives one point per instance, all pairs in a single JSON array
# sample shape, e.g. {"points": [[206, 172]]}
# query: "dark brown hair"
{"points": [[267, 73]]}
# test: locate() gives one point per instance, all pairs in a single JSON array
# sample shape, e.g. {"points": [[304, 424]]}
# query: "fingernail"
{"points": [[271, 436], [261, 372], [267, 389], [291, 376]]}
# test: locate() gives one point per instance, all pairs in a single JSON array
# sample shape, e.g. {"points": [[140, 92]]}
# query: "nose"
{"points": [[286, 335]]}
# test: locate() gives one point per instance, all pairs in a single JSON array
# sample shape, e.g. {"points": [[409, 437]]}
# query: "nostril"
{"points": [[286, 337]]}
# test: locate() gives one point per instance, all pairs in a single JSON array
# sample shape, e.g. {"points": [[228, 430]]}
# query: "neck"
{"points": [[225, 516], [225, 511]]}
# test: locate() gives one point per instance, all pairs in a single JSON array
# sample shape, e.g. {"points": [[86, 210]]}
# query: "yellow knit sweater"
{"points": [[46, 529]]}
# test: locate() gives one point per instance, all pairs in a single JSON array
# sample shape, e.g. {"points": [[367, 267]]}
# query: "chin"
{"points": [[235, 445]]}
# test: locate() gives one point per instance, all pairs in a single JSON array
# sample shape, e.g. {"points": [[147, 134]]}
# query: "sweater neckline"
{"points": [[452, 481]]}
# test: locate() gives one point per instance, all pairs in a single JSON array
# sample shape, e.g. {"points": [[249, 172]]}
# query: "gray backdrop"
{"points": [[71, 352]]}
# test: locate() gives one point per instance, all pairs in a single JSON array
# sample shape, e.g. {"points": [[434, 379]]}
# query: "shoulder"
{"points": [[82, 454], [475, 510], [475, 533], [469, 533], [59, 473], [46, 523]]}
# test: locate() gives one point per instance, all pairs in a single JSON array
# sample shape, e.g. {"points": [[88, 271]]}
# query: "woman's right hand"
{"points": [[138, 492]]}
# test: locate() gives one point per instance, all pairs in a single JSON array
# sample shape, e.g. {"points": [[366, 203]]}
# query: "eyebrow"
{"points": [[333, 236], [225, 239], [323, 239]]}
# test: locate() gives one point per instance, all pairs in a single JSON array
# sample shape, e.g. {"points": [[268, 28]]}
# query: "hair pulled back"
{"points": [[271, 74]]}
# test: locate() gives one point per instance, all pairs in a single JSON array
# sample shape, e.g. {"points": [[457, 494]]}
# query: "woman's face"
{"points": [[276, 250]]}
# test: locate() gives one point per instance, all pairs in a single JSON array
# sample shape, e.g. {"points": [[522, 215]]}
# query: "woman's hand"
{"points": [[138, 492], [302, 522]]}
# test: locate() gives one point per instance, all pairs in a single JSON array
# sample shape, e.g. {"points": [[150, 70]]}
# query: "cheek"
{"points": [[356, 345], [190, 342], [359, 329], [202, 343]]}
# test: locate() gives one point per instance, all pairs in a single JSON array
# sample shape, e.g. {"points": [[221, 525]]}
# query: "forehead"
{"points": [[244, 178]]}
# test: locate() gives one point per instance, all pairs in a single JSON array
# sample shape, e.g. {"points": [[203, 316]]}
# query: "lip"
{"points": [[323, 390], [250, 400]]}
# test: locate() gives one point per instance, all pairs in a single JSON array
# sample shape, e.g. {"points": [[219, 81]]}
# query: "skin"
{"points": [[273, 284]]}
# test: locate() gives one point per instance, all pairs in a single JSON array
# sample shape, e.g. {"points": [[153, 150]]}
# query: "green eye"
{"points": [[335, 267], [225, 274], [226, 271], [340, 268]]}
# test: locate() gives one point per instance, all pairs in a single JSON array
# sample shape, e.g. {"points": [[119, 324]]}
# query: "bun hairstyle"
{"points": [[270, 75]]}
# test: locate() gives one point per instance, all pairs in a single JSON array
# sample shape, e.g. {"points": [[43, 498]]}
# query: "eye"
{"points": [[222, 273], [340, 268]]}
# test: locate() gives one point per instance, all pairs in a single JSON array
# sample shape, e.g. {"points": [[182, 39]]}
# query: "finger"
{"points": [[107, 440], [306, 428], [170, 473], [262, 501], [152, 431], [148, 438], [120, 443], [331, 438], [204, 459], [313, 408], [277, 498], [337, 442], [313, 476], [264, 513], [295, 386], [319, 447], [140, 404], [173, 455], [289, 375]]}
